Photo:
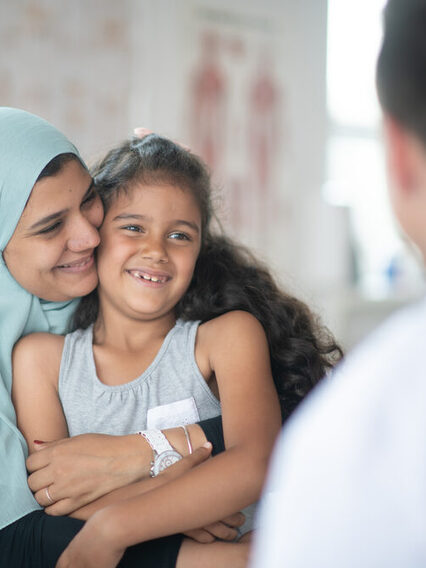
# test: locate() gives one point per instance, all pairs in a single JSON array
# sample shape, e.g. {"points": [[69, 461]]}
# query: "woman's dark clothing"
{"points": [[213, 430], [37, 539]]}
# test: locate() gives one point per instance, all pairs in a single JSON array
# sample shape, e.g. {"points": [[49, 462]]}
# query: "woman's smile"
{"points": [[51, 253], [78, 266]]}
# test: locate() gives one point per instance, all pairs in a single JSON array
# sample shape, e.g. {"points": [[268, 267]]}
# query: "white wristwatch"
{"points": [[164, 454]]}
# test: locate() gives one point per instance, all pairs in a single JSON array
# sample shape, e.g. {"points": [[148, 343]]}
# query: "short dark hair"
{"points": [[56, 164], [401, 66]]}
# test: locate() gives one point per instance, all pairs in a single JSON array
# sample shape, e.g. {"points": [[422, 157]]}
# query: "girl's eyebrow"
{"points": [[189, 224], [54, 216], [137, 217]]}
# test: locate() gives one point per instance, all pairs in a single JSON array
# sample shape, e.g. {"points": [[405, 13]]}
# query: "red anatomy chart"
{"points": [[208, 104], [264, 121]]}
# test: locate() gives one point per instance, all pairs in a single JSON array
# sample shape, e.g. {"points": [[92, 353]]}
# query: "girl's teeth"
{"points": [[149, 278]]}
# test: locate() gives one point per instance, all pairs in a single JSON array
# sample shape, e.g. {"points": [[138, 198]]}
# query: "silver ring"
{"points": [[51, 501]]}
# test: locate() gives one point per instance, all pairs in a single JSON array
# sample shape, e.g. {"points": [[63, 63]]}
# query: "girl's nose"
{"points": [[83, 235], [154, 249]]}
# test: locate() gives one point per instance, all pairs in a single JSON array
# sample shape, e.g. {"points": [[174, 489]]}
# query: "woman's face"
{"points": [[51, 252]]}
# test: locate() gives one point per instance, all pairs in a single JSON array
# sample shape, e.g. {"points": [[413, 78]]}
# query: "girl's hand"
{"points": [[92, 547], [97, 543]]}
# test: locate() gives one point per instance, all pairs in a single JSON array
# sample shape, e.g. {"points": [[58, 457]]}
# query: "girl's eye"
{"points": [[133, 228], [51, 228], [177, 235]]}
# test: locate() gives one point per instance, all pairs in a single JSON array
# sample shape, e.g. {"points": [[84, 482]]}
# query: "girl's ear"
{"points": [[401, 155]]}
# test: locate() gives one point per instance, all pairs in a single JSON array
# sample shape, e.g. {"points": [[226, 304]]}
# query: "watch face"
{"points": [[165, 460]]}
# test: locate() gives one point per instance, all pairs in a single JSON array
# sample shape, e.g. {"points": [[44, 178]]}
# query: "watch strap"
{"points": [[164, 455], [157, 440]]}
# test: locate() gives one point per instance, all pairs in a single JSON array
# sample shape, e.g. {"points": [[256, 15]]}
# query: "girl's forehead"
{"points": [[148, 195]]}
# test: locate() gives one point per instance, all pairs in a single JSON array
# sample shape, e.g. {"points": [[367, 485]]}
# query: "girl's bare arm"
{"points": [[238, 354]]}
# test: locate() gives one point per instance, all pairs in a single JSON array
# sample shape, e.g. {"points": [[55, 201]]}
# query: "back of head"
{"points": [[401, 66]]}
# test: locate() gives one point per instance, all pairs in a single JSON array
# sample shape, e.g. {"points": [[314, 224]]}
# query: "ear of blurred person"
{"points": [[406, 159]]}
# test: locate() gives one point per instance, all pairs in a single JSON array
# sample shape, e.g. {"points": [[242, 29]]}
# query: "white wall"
{"points": [[98, 68]]}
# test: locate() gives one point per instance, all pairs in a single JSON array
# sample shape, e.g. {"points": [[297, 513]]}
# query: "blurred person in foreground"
{"points": [[347, 486]]}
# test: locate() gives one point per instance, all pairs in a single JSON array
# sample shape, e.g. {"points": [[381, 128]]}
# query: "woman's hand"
{"points": [[81, 469]]}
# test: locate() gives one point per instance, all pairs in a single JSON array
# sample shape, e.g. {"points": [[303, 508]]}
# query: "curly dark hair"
{"points": [[226, 276]]}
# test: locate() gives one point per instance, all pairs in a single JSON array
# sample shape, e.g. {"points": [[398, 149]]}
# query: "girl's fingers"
{"points": [[235, 520], [200, 535], [188, 462], [222, 531], [199, 456]]}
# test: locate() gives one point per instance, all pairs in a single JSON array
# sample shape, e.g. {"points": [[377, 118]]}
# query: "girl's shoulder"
{"points": [[233, 324]]}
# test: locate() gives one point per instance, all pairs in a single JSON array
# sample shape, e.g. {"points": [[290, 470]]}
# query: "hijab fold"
{"points": [[27, 144]]}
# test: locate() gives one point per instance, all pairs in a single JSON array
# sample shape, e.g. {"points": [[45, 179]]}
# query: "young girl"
{"points": [[196, 320]]}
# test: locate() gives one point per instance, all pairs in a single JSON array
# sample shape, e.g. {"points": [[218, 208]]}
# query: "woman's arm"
{"points": [[238, 355], [61, 463], [81, 469]]}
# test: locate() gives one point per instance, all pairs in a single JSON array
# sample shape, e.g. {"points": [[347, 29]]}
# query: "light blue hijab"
{"points": [[27, 144]]}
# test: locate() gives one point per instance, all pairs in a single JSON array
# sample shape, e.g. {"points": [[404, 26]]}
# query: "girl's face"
{"points": [[150, 240], [51, 251]]}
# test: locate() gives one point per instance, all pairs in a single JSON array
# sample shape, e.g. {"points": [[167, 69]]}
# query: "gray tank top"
{"points": [[169, 393]]}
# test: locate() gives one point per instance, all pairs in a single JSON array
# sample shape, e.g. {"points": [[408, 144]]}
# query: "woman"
{"points": [[48, 232]]}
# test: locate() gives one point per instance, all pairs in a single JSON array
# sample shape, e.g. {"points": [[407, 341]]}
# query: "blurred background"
{"points": [[277, 96]]}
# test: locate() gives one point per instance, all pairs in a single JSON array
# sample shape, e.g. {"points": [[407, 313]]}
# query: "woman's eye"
{"points": [[89, 197], [177, 235], [51, 228]]}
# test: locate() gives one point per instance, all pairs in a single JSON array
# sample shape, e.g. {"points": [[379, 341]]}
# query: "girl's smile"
{"points": [[149, 277]]}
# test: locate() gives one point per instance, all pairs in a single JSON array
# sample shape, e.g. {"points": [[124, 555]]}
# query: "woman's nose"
{"points": [[83, 235]]}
